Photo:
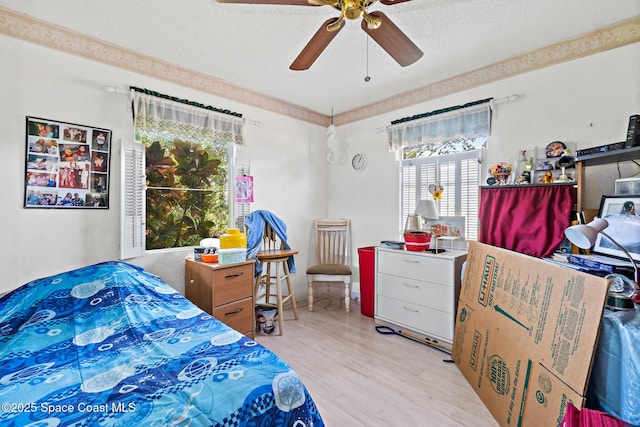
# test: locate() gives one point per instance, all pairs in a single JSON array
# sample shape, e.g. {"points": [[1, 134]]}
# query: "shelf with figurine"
{"points": [[555, 163]]}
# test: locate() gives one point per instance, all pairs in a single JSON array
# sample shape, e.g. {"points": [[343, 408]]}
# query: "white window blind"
{"points": [[132, 213], [458, 173]]}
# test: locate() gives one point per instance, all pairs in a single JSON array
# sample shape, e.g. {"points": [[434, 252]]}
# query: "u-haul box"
{"points": [[525, 335]]}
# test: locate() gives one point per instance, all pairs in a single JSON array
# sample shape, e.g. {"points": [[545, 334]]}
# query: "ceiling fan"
{"points": [[376, 24]]}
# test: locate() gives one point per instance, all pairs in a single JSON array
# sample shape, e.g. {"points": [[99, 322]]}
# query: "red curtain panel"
{"points": [[529, 219]]}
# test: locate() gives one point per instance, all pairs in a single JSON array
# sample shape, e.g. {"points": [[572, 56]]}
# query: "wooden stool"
{"points": [[274, 271]]}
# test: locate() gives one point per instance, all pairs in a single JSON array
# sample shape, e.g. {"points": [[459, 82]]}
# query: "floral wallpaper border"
{"points": [[33, 30]]}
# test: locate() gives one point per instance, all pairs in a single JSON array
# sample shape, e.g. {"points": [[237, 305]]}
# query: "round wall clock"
{"points": [[359, 161]]}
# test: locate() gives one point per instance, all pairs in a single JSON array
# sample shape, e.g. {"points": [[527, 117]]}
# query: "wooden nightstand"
{"points": [[224, 291]]}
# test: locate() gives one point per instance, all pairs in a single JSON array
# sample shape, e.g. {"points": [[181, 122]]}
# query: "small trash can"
{"points": [[367, 260], [266, 320]]}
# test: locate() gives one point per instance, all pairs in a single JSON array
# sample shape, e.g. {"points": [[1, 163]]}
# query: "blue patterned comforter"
{"points": [[113, 345]]}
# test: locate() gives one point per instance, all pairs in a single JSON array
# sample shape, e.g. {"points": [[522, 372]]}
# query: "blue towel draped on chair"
{"points": [[254, 224]]}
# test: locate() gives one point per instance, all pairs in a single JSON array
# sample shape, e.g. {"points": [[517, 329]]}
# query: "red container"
{"points": [[367, 260], [417, 241]]}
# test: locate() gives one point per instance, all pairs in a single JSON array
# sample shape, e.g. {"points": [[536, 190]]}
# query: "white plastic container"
{"points": [[232, 256]]}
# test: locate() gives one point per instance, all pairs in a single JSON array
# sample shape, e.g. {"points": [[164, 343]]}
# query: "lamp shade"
{"points": [[584, 235], [427, 209]]}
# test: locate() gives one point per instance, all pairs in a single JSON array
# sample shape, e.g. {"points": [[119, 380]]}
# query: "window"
{"points": [[445, 147], [187, 191], [458, 173], [177, 175]]}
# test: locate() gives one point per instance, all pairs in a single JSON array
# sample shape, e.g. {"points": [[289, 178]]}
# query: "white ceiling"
{"points": [[252, 46]]}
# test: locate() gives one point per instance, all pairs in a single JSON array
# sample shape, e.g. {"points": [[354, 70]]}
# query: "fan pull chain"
{"points": [[367, 77]]}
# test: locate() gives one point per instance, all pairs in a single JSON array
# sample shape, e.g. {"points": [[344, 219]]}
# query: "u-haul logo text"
{"points": [[475, 349], [490, 266]]}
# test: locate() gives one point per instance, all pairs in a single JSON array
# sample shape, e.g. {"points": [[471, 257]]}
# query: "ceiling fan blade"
{"points": [[316, 46], [284, 2], [393, 40], [392, 2]]}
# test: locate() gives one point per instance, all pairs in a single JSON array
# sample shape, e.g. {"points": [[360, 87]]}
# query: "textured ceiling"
{"points": [[252, 46]]}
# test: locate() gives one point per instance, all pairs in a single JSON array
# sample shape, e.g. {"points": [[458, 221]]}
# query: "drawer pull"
{"points": [[410, 309], [231, 313], [231, 276], [408, 285], [411, 261]]}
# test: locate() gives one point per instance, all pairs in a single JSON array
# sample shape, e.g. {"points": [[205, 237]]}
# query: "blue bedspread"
{"points": [[113, 345]]}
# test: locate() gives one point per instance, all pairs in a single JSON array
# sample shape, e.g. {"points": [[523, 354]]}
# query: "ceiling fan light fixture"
{"points": [[353, 9], [376, 24]]}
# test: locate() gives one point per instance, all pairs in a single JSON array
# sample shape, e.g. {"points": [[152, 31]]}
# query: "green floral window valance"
{"points": [[156, 116]]}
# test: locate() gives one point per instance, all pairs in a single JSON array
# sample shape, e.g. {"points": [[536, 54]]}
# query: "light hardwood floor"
{"points": [[359, 377]]}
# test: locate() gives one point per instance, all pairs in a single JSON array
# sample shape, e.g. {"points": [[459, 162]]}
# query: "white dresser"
{"points": [[417, 292]]}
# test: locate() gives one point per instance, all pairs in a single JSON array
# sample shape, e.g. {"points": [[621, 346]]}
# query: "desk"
{"points": [[614, 386]]}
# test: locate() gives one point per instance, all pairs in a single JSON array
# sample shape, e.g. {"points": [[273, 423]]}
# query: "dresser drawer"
{"points": [[433, 295], [416, 267], [428, 321], [232, 284], [238, 314]]}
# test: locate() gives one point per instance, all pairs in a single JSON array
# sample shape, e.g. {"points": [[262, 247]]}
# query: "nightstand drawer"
{"points": [[405, 264], [232, 284], [238, 314], [439, 297], [224, 291]]}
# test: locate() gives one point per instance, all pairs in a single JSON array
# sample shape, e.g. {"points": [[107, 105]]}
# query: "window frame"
{"points": [[133, 199]]}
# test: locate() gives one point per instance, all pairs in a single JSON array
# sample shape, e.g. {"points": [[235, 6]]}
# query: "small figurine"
{"points": [[528, 167], [547, 178], [436, 190], [501, 171]]}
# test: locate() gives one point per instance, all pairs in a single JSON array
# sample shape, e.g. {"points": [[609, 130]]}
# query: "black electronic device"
{"points": [[633, 132], [632, 141], [602, 149]]}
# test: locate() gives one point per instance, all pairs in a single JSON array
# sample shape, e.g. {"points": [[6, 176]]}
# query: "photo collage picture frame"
{"points": [[67, 165]]}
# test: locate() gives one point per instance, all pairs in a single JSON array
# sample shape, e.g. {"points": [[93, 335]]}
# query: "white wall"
{"points": [[588, 101], [283, 154]]}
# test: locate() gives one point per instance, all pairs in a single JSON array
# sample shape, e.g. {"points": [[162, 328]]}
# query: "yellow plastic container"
{"points": [[233, 239]]}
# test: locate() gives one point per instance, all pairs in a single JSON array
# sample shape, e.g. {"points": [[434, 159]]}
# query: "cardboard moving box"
{"points": [[525, 335]]}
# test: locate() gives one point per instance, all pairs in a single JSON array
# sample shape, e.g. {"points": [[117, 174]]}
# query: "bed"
{"points": [[113, 345]]}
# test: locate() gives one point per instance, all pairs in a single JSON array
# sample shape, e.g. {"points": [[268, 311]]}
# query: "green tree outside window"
{"points": [[187, 197]]}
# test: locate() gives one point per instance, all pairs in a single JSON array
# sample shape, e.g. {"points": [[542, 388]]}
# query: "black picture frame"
{"points": [[624, 226], [67, 165]]}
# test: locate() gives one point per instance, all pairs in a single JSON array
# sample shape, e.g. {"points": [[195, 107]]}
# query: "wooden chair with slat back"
{"points": [[331, 257], [274, 256]]}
